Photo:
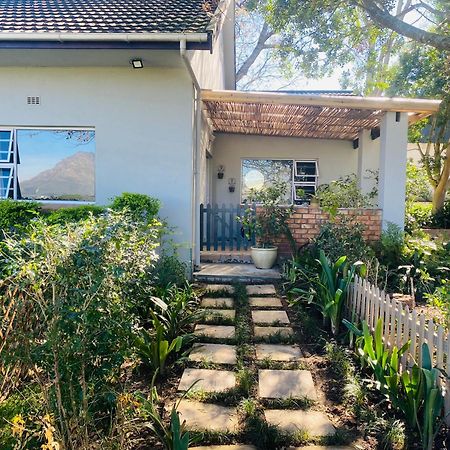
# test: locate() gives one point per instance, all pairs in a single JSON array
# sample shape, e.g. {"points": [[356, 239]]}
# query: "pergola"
{"points": [[351, 118], [306, 116]]}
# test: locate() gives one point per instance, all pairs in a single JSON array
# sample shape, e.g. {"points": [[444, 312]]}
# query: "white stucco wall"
{"points": [[142, 120], [335, 158]]}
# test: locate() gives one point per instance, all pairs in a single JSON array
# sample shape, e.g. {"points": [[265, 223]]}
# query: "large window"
{"points": [[300, 176], [42, 164]]}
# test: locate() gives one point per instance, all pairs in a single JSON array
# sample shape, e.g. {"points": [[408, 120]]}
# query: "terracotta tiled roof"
{"points": [[106, 16]]}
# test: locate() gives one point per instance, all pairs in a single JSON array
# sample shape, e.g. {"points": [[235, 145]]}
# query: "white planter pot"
{"points": [[264, 258]]}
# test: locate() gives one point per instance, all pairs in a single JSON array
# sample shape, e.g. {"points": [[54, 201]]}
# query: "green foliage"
{"points": [[16, 215], [418, 187], [173, 436], [418, 215], [139, 206], [177, 310], [76, 214], [440, 298], [344, 193], [69, 288], [441, 218], [154, 349], [169, 270], [328, 290], [269, 222], [343, 237]]}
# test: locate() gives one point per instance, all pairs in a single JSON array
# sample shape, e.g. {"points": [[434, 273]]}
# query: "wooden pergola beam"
{"points": [[395, 104]]}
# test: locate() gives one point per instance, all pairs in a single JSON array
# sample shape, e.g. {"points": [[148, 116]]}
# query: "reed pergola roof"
{"points": [[307, 116]]}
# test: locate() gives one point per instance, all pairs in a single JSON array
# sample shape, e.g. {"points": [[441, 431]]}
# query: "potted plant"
{"points": [[267, 223]]}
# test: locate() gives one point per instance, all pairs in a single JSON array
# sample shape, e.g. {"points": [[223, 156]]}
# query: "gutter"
{"points": [[195, 157], [194, 41]]}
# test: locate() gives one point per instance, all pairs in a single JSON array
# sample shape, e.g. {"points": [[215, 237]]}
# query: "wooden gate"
{"points": [[220, 229]]}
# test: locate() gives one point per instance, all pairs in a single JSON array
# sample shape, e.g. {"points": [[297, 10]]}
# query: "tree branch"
{"points": [[383, 18]]}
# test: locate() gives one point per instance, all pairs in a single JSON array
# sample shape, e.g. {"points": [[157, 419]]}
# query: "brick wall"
{"points": [[305, 224]]}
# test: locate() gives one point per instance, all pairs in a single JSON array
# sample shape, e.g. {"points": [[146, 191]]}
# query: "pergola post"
{"points": [[392, 176], [368, 157]]}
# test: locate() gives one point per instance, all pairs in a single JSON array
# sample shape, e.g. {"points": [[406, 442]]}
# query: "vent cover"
{"points": [[33, 100]]}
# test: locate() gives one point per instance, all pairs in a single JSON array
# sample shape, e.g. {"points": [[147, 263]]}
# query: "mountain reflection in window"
{"points": [[258, 173], [56, 164]]}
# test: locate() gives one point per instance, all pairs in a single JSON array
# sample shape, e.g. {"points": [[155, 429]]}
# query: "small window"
{"points": [[6, 182], [6, 146], [306, 175]]}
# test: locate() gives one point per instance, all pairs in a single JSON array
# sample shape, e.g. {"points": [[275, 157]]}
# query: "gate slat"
{"points": [[223, 226], [202, 224], [231, 231], [208, 227], [215, 226]]}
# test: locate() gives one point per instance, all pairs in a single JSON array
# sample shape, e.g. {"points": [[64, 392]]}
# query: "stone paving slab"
{"points": [[265, 332], [214, 353], [261, 289], [286, 384], [270, 317], [208, 380], [225, 447], [278, 352], [207, 416], [315, 423], [219, 302], [265, 302], [220, 288], [215, 331], [214, 314]]}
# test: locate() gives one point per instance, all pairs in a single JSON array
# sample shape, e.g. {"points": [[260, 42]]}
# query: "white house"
{"points": [[104, 97]]}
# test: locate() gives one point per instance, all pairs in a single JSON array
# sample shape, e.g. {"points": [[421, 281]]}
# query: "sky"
{"points": [[42, 149]]}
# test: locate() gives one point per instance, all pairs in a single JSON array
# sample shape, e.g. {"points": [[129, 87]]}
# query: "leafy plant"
{"points": [[154, 349], [65, 215], [138, 206], [172, 437], [268, 219], [169, 270], [329, 289], [344, 193], [15, 215]]}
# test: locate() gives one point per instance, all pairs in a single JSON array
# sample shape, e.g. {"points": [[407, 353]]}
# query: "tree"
{"points": [[425, 73]]}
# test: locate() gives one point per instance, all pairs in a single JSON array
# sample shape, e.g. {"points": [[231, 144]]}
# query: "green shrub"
{"points": [[169, 270], [138, 206], [344, 237], [15, 215], [75, 214], [441, 219], [344, 193], [418, 215]]}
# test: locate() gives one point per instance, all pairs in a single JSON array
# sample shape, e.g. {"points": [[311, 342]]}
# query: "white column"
{"points": [[368, 162], [393, 156]]}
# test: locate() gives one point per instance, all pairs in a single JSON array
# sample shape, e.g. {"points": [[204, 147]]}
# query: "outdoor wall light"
{"points": [[231, 184], [220, 172], [137, 63]]}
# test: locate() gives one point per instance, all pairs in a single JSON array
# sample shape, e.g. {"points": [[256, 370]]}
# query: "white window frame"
{"points": [[11, 141], [14, 164]]}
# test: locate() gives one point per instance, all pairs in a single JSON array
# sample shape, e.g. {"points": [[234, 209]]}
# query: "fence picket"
{"points": [[405, 338], [413, 346], [208, 227], [447, 397], [399, 324], [421, 338]]}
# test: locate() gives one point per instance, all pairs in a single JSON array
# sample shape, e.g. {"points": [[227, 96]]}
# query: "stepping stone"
{"points": [[217, 314], [314, 423], [286, 384], [262, 302], [270, 317], [265, 332], [278, 352], [208, 380], [225, 447], [220, 288], [261, 289], [215, 331], [219, 302], [207, 416], [214, 353]]}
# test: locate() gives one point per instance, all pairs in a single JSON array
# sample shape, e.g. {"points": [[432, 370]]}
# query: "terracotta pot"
{"points": [[264, 258]]}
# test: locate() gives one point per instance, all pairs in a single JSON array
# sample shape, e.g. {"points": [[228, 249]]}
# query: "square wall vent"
{"points": [[31, 100]]}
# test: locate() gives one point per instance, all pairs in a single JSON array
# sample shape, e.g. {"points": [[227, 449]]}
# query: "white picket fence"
{"points": [[367, 302]]}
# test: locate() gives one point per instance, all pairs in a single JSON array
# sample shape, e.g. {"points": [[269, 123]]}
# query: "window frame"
{"points": [[14, 177], [11, 144], [294, 184]]}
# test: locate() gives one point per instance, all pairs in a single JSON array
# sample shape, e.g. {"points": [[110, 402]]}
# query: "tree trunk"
{"points": [[441, 189]]}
